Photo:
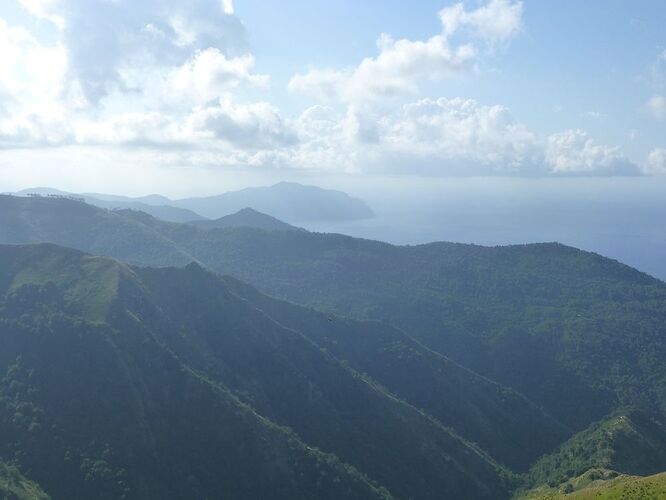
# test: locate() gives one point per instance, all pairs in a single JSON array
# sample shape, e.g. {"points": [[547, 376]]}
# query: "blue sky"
{"points": [[571, 58], [194, 93]]}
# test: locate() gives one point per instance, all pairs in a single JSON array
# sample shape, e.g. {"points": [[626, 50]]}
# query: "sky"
{"points": [[199, 97]]}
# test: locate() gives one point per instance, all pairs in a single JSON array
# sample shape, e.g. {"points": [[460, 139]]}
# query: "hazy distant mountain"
{"points": [[151, 199], [246, 217], [155, 205], [287, 201]]}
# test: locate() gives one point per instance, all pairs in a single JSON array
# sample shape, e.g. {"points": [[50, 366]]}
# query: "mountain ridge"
{"points": [[575, 333], [246, 217], [156, 306]]}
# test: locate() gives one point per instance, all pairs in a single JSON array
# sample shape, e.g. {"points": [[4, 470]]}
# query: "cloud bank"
{"points": [[170, 77]]}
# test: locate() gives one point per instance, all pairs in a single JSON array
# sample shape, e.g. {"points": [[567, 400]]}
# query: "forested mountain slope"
{"points": [[207, 376], [629, 441], [575, 332]]}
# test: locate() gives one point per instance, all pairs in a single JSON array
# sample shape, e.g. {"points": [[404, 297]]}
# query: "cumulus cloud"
{"points": [[253, 126], [130, 128], [119, 72], [31, 88], [462, 136], [497, 21], [168, 77], [656, 106], [103, 38], [401, 66], [656, 162], [447, 137], [575, 152], [228, 7], [209, 74]]}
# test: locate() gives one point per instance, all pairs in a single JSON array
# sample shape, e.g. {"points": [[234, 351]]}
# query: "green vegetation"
{"points": [[500, 420], [547, 320], [481, 355], [606, 485], [14, 486], [183, 389], [629, 441]]}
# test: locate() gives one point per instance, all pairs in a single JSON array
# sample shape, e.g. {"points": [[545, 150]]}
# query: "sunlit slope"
{"points": [[628, 442], [619, 487]]}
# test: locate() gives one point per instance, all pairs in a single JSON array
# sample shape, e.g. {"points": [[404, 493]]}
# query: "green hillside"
{"points": [[629, 441], [14, 486], [503, 422], [574, 335], [608, 485], [141, 424], [185, 389], [547, 320], [511, 428], [604, 461]]}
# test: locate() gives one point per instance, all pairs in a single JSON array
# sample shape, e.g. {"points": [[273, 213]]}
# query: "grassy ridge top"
{"points": [[14, 486], [629, 441], [619, 487]]}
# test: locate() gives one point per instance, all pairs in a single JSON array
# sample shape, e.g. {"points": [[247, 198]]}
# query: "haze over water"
{"points": [[619, 217]]}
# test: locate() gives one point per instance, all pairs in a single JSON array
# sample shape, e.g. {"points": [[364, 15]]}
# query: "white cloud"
{"points": [[131, 128], [323, 84], [403, 65], [32, 98], [119, 72], [575, 152], [252, 127], [656, 106], [221, 127], [399, 68], [44, 9], [103, 38], [497, 21], [444, 137], [656, 162], [164, 80], [209, 74], [228, 7], [460, 136]]}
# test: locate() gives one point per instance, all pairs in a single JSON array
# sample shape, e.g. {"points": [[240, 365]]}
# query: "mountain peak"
{"points": [[247, 217], [288, 201]]}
